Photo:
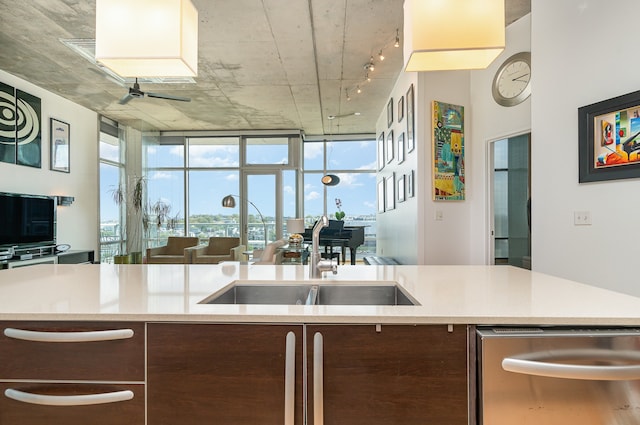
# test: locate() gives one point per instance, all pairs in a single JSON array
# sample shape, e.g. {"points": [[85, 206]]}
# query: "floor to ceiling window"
{"points": [[271, 177], [111, 153], [192, 175], [354, 162]]}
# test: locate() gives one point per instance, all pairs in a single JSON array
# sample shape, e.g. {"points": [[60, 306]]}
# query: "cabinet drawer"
{"points": [[77, 351], [130, 412]]}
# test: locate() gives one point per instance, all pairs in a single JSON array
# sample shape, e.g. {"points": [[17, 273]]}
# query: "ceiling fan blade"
{"points": [[168, 97], [126, 98]]}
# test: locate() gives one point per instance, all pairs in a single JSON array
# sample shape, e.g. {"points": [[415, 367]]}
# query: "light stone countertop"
{"points": [[447, 294]]}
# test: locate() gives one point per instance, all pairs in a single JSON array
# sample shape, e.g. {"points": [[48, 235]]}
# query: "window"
{"points": [[111, 171], [354, 162]]}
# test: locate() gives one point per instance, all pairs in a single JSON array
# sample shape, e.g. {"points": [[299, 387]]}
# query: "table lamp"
{"points": [[295, 226]]}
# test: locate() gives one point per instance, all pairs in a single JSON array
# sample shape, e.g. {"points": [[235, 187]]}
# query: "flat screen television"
{"points": [[27, 220]]}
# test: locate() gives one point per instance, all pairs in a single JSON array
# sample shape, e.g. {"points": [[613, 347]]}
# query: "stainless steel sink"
{"points": [[345, 293]]}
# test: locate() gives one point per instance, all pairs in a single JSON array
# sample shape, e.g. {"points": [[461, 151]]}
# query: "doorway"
{"points": [[511, 201]]}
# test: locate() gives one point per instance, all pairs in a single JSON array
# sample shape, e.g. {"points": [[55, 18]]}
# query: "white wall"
{"points": [[461, 237], [584, 51], [78, 223]]}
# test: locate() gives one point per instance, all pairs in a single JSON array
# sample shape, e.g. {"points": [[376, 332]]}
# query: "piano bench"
{"points": [[374, 260], [331, 255]]}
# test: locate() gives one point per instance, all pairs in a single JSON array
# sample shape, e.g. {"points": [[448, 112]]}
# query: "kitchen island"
{"points": [[446, 294], [138, 346]]}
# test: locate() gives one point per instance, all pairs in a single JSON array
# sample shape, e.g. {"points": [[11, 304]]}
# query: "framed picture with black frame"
{"points": [[59, 136], [390, 113], [381, 160], [609, 139], [410, 118]]}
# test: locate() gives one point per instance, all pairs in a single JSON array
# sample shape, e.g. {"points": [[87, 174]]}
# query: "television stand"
{"points": [[68, 257]]}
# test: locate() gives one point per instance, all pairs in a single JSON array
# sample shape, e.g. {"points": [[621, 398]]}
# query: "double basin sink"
{"points": [[383, 293]]}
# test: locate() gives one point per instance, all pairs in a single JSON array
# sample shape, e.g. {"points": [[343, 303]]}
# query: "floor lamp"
{"points": [[229, 202]]}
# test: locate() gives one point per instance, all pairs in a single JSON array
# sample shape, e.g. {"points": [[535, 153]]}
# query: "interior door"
{"points": [[511, 201]]}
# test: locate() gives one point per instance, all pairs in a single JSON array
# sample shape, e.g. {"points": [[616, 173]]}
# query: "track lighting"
{"points": [[358, 90], [366, 77], [397, 43], [380, 55]]}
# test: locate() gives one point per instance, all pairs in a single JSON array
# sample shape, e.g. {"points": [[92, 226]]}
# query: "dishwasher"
{"points": [[558, 376]]}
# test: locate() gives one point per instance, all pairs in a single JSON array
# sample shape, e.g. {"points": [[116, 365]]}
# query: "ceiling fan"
{"points": [[135, 92], [333, 117]]}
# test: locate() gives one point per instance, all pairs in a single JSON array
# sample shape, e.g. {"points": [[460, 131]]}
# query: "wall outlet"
{"points": [[582, 218], [439, 215]]}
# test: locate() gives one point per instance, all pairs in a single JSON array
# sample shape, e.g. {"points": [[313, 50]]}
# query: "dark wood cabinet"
{"points": [[392, 374], [235, 374], [48, 370], [222, 374]]}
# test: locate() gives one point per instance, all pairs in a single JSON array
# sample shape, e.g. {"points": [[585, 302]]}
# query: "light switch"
{"points": [[439, 215]]}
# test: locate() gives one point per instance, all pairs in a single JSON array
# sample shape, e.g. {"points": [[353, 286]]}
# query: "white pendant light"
{"points": [[452, 34], [147, 38]]}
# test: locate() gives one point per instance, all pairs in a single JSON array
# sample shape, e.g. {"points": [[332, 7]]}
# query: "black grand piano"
{"points": [[339, 235]]}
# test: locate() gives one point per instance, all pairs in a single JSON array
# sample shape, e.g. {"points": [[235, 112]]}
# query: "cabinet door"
{"points": [[400, 375], [221, 374]]}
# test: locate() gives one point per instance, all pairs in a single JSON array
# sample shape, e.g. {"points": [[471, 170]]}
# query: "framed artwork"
{"points": [[389, 148], [59, 137], [390, 112], [401, 189], [20, 127], [381, 198], [448, 152], [28, 130], [8, 124], [410, 120], [381, 160], [411, 184], [401, 108], [609, 139], [390, 192], [401, 148]]}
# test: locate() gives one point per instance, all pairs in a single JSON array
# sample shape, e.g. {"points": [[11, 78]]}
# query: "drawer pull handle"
{"points": [[89, 336], [68, 400], [318, 376], [290, 379]]}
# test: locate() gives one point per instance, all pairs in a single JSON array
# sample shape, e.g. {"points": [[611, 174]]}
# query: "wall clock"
{"points": [[512, 82]]}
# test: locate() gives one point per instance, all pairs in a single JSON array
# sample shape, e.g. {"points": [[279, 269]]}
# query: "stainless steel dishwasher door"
{"points": [[540, 376]]}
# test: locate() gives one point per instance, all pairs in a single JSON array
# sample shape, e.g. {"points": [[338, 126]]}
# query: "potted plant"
{"points": [[136, 216], [339, 214]]}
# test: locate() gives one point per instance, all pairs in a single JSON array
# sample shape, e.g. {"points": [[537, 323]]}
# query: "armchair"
{"points": [[174, 252], [270, 255], [219, 249]]}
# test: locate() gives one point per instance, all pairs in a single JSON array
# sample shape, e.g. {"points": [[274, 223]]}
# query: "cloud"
{"points": [[312, 196], [313, 150]]}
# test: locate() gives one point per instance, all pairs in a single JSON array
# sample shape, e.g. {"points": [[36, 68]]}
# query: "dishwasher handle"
{"points": [[535, 364]]}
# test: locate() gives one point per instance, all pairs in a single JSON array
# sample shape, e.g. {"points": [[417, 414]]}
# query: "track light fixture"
{"points": [[370, 66]]}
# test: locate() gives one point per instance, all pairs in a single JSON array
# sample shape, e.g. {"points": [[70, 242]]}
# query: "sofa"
{"points": [[174, 252], [217, 250]]}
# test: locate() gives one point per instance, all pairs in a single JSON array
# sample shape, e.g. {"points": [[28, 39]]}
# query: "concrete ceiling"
{"points": [[263, 64]]}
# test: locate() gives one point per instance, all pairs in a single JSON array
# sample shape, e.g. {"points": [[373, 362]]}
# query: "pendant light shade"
{"points": [[330, 180], [147, 38], [452, 34]]}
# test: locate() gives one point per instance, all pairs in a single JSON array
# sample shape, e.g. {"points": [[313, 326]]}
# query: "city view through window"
{"points": [[186, 182]]}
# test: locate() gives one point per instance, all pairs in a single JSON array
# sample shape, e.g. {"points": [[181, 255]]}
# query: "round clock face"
{"points": [[511, 85]]}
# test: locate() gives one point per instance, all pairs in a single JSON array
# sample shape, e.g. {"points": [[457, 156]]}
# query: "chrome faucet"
{"points": [[318, 266]]}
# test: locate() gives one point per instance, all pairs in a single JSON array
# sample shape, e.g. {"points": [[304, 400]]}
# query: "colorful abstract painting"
{"points": [[448, 152]]}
